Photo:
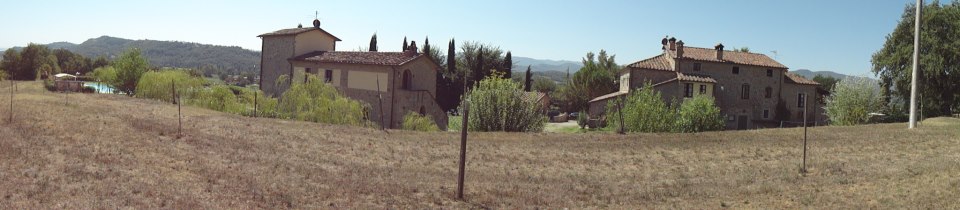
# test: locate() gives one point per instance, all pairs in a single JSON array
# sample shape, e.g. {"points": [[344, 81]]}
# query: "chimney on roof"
{"points": [[719, 49], [672, 43], [663, 42], [680, 49], [411, 49]]}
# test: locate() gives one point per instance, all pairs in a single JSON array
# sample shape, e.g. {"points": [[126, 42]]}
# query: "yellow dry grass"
{"points": [[110, 152]]}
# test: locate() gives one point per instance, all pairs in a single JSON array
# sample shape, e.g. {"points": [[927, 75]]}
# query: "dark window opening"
{"points": [[766, 114], [703, 89], [769, 72], [767, 92], [687, 90], [407, 82], [696, 66], [745, 91], [423, 111], [736, 70], [328, 76]]}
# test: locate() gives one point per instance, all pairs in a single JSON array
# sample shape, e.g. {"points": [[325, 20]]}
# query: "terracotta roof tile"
{"points": [[745, 58], [607, 96], [372, 58], [659, 62], [797, 79], [295, 31], [695, 78]]}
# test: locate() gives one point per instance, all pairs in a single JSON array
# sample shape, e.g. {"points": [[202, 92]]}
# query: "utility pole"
{"points": [[916, 67]]}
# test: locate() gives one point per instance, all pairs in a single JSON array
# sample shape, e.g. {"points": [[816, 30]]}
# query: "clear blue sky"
{"points": [[812, 34]]}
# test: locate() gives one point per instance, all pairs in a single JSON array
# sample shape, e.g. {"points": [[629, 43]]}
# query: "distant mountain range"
{"points": [[810, 74], [540, 65], [231, 59]]}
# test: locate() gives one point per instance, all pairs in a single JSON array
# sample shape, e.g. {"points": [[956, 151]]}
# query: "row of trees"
{"points": [[37, 61]]}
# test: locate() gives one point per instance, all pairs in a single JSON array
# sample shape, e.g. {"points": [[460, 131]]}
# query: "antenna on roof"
{"points": [[774, 54], [316, 14]]}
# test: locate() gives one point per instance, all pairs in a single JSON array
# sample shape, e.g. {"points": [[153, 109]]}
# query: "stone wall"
{"points": [[729, 85], [275, 52]]}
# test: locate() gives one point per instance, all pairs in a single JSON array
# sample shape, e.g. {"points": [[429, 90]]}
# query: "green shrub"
{"points": [[582, 119], [219, 98], [316, 101], [643, 111], [699, 114], [852, 101], [499, 104], [417, 122], [105, 75], [157, 84], [130, 67]]}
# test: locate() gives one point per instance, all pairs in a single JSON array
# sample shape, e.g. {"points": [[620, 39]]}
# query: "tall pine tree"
{"points": [[404, 44], [373, 43], [508, 66]]}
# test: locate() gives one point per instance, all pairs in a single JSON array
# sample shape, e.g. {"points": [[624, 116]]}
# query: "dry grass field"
{"points": [[116, 152]]}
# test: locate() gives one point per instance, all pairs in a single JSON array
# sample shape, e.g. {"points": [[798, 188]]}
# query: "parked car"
{"points": [[574, 115]]}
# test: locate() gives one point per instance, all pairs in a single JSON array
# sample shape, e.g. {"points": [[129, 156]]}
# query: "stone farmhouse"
{"points": [[747, 87], [390, 83]]}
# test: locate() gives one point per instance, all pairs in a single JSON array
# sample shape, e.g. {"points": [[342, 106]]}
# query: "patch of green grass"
{"points": [[454, 123]]}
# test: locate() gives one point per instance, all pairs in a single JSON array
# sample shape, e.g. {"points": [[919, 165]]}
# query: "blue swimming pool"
{"points": [[100, 87]]}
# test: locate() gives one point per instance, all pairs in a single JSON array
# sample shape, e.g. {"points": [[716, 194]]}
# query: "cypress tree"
{"points": [[528, 80], [373, 43], [451, 59], [478, 72], [508, 66], [426, 47], [404, 44]]}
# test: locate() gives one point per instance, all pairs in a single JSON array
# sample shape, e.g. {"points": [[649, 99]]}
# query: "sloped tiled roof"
{"points": [[371, 58], [659, 62], [745, 58], [695, 78], [295, 31], [797, 79], [607, 96]]}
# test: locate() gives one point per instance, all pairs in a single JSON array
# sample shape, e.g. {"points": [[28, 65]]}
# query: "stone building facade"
{"points": [[748, 87], [391, 84]]}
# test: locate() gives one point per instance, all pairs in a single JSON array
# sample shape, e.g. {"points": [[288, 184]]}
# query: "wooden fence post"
{"points": [[463, 148], [380, 99], [255, 93], [12, 88], [804, 170], [620, 112], [463, 140], [176, 100]]}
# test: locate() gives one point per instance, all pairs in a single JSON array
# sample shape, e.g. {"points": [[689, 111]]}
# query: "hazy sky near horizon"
{"points": [[819, 35]]}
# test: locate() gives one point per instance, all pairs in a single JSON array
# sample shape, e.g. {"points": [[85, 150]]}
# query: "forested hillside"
{"points": [[213, 59]]}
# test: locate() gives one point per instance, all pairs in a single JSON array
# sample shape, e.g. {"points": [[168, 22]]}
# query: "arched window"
{"points": [[768, 92], [407, 80]]}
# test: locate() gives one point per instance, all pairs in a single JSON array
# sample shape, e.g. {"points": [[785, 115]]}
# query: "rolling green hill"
{"points": [[226, 59]]}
